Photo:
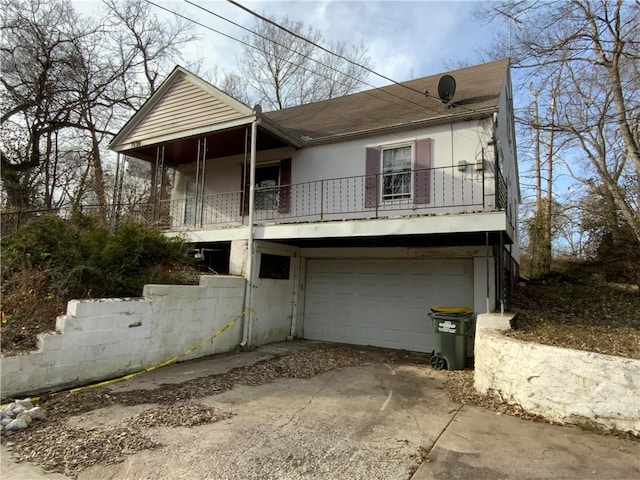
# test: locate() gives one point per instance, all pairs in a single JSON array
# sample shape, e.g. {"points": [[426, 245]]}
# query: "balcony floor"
{"points": [[495, 221]]}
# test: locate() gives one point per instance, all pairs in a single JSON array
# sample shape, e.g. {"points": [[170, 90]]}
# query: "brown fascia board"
{"points": [[442, 120]]}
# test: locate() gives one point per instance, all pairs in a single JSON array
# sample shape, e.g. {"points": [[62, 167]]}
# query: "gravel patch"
{"points": [[69, 450], [302, 364], [179, 415]]}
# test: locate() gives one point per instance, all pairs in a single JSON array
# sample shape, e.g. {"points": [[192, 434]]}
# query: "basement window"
{"points": [[274, 266]]}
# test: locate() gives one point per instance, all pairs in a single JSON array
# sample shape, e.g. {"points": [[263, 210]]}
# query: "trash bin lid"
{"points": [[452, 310]]}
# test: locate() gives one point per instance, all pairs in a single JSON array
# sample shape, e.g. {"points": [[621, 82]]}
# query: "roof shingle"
{"points": [[477, 88]]}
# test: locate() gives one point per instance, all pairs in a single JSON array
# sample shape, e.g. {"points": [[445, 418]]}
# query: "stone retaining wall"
{"points": [[99, 339], [565, 385]]}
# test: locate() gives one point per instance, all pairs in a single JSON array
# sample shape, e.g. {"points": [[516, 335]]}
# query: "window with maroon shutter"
{"points": [[398, 172], [267, 181], [269, 195], [421, 174], [372, 170]]}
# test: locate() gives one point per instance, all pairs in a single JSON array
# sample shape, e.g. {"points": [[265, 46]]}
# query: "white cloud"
{"points": [[404, 39]]}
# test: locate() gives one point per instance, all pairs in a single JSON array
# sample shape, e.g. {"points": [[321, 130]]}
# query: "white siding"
{"points": [[452, 191]]}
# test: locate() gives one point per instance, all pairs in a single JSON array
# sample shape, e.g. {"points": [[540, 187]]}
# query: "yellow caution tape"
{"points": [[159, 365], [166, 362]]}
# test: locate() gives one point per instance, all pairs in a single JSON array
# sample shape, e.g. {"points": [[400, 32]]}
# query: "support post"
{"points": [[501, 283], [157, 182], [201, 189], [322, 199], [248, 316]]}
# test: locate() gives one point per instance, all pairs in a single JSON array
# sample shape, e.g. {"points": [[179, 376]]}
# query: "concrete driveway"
{"points": [[376, 420]]}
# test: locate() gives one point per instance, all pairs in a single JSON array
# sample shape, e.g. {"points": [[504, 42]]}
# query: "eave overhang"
{"points": [[422, 123]]}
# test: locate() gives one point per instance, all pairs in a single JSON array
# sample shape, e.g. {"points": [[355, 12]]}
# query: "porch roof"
{"points": [[186, 107]]}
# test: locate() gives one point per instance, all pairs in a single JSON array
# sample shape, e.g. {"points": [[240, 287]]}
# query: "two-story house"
{"points": [[351, 217]]}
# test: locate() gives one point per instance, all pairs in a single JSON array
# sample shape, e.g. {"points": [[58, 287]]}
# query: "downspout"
{"points": [[248, 298]]}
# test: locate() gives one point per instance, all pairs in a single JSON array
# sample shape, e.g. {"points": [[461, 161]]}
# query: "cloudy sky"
{"points": [[404, 39]]}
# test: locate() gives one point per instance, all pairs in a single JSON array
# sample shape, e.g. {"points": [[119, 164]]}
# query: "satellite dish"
{"points": [[446, 88]]}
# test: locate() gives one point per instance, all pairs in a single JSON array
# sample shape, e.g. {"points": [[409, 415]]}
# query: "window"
{"points": [[273, 188], [392, 167], [274, 266], [267, 181], [396, 173]]}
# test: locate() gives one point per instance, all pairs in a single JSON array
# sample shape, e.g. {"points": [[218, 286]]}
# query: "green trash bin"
{"points": [[451, 326]]}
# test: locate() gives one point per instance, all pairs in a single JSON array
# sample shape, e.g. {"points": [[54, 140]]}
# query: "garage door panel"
{"points": [[382, 302]]}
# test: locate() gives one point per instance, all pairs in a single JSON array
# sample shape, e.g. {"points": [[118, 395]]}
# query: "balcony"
{"points": [[448, 190], [445, 191]]}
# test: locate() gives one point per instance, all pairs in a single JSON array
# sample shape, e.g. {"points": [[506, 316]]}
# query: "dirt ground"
{"points": [[582, 313]]}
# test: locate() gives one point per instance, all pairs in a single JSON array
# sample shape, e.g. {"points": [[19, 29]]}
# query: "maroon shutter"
{"points": [[284, 192], [245, 180], [371, 181], [421, 166]]}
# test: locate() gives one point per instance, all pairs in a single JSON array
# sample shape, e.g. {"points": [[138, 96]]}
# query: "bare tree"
{"points": [[70, 82], [282, 70], [230, 82], [596, 47], [146, 46], [547, 144], [38, 58]]}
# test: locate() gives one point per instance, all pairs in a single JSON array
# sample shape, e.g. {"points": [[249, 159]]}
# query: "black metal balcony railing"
{"points": [[112, 214], [433, 191]]}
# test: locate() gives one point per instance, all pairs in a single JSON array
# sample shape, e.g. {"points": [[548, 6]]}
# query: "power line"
{"points": [[307, 56], [242, 42], [324, 49], [338, 55]]}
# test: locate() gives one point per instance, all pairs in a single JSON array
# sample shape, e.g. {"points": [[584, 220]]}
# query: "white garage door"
{"points": [[382, 303]]}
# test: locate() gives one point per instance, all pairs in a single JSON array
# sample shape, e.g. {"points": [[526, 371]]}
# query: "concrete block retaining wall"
{"points": [[99, 339], [561, 384]]}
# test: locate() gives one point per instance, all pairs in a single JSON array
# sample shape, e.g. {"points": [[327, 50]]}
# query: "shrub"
{"points": [[85, 259], [51, 260]]}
